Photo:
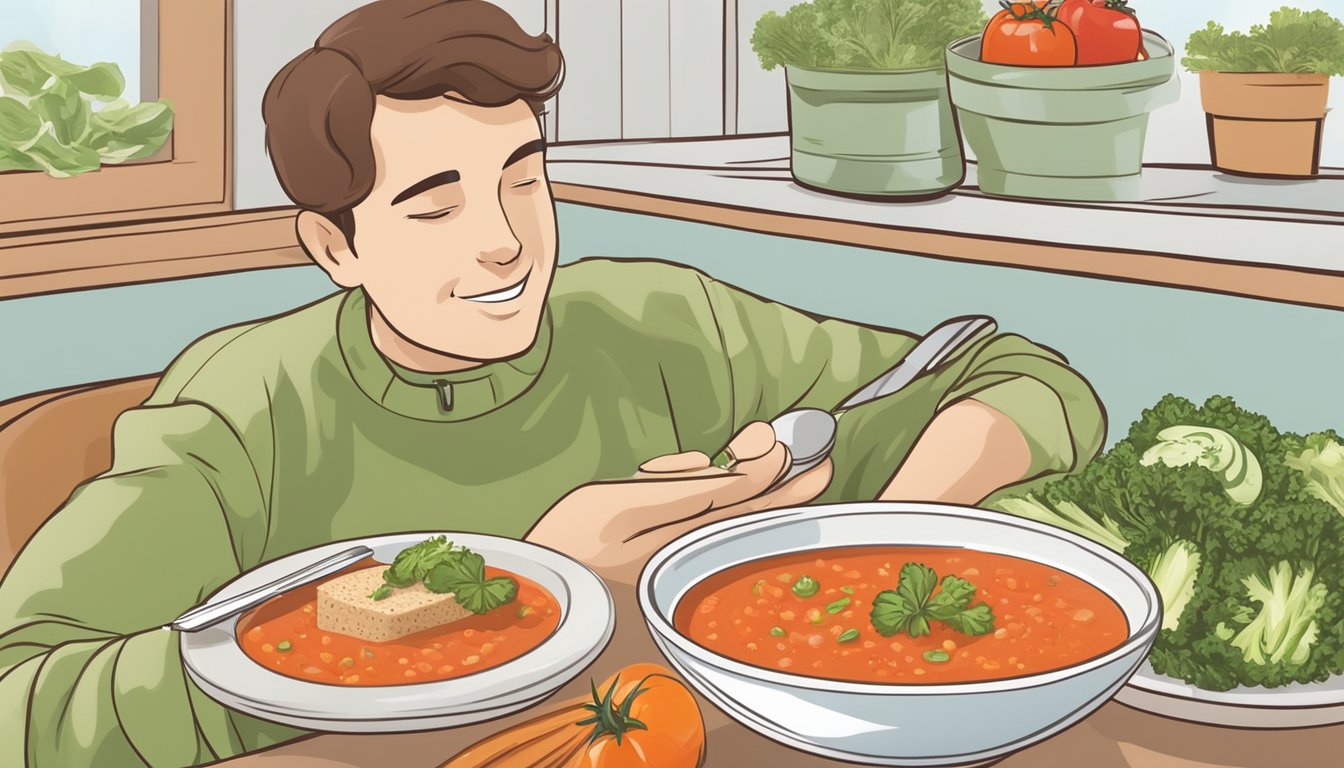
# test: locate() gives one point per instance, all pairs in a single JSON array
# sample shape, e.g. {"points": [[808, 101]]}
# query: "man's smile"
{"points": [[496, 297]]}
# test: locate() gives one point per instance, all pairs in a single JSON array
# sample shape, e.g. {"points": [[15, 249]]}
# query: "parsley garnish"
{"points": [[463, 574], [415, 562], [444, 568], [912, 605]]}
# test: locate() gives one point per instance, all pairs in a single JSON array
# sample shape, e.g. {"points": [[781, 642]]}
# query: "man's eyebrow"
{"points": [[531, 147], [438, 179]]}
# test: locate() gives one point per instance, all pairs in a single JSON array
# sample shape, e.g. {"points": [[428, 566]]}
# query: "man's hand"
{"points": [[614, 526]]}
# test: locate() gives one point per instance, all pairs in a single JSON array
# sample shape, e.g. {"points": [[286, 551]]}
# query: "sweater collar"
{"points": [[455, 396]]}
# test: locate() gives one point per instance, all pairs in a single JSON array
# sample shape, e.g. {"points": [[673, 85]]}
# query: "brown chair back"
{"points": [[49, 444]]}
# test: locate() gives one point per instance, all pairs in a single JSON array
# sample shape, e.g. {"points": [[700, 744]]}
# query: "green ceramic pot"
{"points": [[887, 135], [1064, 133]]}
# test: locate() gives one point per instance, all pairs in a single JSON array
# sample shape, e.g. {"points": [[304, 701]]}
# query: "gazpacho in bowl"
{"points": [[865, 631], [901, 614]]}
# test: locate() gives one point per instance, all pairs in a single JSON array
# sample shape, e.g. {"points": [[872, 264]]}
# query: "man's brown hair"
{"points": [[318, 109]]}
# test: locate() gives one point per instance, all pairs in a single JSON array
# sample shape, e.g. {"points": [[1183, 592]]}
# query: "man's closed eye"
{"points": [[439, 214]]}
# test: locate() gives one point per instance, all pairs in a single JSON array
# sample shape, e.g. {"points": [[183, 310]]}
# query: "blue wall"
{"points": [[81, 336], [1134, 342]]}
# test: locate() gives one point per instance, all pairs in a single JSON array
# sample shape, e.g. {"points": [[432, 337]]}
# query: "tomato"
{"points": [[673, 735], [1030, 35], [1107, 31]]}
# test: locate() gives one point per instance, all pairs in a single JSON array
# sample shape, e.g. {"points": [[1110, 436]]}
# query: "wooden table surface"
{"points": [[1115, 736]]}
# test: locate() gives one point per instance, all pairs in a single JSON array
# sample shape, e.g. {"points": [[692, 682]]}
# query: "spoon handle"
{"points": [[203, 616], [929, 353]]}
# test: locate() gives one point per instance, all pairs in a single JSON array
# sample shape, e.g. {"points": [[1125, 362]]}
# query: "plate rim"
{"points": [[587, 625], [1183, 701]]}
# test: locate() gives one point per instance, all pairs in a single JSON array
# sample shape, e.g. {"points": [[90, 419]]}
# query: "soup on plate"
{"points": [[901, 614], [436, 613]]}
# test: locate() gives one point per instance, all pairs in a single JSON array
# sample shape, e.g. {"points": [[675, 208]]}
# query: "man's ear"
{"points": [[327, 245]]}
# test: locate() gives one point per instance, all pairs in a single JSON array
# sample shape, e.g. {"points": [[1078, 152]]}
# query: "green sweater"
{"points": [[266, 438]]}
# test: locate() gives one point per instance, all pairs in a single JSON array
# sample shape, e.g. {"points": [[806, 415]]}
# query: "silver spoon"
{"points": [[209, 614], [809, 433]]}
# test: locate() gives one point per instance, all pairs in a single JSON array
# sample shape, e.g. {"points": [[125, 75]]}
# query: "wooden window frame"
{"points": [[195, 74]]}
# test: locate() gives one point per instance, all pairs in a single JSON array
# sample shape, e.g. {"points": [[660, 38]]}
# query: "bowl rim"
{"points": [[1141, 633]]}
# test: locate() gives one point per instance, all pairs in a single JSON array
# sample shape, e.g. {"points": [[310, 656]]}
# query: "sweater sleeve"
{"points": [[87, 675], [781, 358]]}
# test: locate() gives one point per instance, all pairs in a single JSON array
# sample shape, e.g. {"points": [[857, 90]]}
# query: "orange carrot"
{"points": [[544, 728]]}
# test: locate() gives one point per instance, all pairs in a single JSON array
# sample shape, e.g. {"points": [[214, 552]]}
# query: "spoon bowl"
{"points": [[809, 434]]}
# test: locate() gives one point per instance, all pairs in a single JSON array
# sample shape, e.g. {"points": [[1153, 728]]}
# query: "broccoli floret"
{"points": [[1284, 628], [1320, 459], [1174, 573], [1068, 516], [1267, 623], [1271, 610]]}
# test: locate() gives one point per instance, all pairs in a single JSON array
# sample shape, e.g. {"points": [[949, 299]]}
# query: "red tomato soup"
{"points": [[282, 635], [1043, 618]]}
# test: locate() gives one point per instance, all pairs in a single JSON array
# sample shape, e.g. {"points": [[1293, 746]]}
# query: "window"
{"points": [[172, 50]]}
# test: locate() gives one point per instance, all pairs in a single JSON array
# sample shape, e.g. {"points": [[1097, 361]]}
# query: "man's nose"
{"points": [[502, 245], [504, 254]]}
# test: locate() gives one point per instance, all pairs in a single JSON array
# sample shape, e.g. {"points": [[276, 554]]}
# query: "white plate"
{"points": [[217, 664], [1291, 706]]}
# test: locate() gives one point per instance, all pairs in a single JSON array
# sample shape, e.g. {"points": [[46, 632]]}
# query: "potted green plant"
{"points": [[869, 113], [1041, 124], [1264, 93]]}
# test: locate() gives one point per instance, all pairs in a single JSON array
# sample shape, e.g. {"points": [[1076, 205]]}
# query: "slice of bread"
{"points": [[344, 606]]}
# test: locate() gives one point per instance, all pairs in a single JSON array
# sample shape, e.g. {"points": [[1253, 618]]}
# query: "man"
{"points": [[460, 382]]}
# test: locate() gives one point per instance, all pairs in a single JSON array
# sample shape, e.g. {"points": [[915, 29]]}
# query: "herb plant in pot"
{"points": [[869, 112], [1264, 93]]}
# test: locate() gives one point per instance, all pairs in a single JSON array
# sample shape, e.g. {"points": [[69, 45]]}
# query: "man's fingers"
{"points": [[675, 462], [748, 478], [652, 501], [795, 492], [753, 441]]}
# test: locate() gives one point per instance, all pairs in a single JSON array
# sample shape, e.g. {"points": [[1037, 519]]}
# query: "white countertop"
{"points": [[1187, 211]]}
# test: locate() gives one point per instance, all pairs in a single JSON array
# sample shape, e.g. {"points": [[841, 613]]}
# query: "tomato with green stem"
{"points": [[1107, 31], [1028, 35]]}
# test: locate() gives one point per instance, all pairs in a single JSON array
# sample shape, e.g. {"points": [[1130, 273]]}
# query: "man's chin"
{"points": [[493, 338], [499, 315], [495, 353]]}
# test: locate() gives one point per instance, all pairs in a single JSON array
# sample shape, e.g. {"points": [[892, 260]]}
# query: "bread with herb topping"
{"points": [[345, 605]]}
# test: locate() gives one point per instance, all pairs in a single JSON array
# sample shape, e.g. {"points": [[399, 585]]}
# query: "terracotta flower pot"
{"points": [[1265, 123]]}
